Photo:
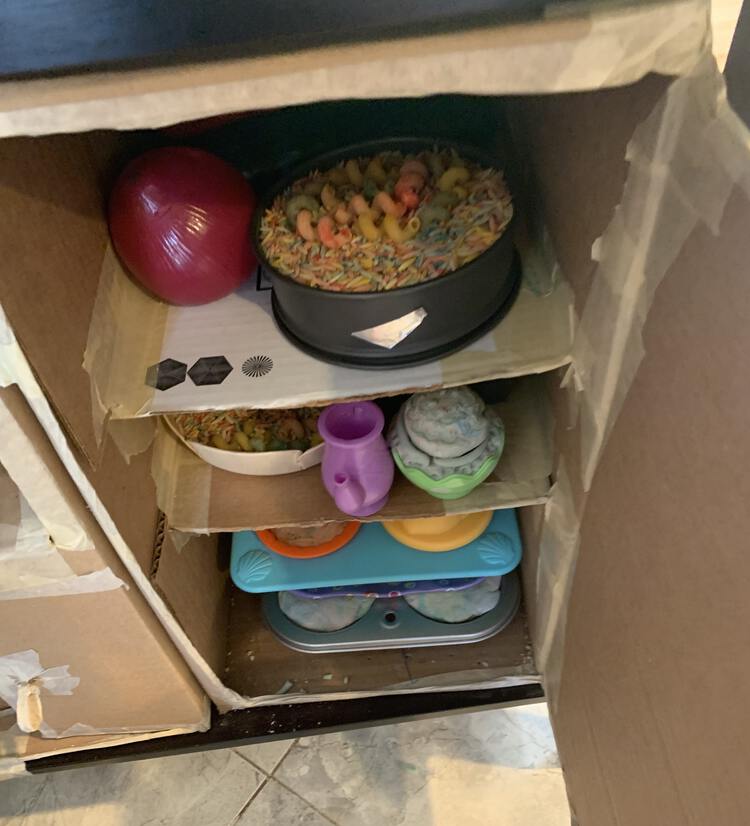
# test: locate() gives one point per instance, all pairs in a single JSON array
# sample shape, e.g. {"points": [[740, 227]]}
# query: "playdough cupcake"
{"points": [[447, 442]]}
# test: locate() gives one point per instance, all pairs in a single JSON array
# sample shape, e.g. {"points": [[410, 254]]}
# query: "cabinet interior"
{"points": [[568, 170]]}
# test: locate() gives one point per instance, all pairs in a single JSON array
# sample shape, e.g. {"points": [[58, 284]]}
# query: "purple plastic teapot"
{"points": [[357, 465]]}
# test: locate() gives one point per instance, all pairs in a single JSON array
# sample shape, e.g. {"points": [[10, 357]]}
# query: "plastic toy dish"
{"points": [[273, 543], [265, 463], [454, 486], [439, 533]]}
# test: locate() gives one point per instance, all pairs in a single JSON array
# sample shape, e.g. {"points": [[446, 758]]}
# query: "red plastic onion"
{"points": [[180, 221]]}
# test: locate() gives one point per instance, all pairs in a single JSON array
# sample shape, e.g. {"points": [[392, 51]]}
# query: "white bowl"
{"points": [[268, 463]]}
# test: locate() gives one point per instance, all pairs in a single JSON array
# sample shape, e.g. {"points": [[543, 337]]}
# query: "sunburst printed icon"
{"points": [[257, 366]]}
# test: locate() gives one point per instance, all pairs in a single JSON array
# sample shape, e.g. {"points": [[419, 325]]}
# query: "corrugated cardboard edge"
{"points": [[585, 46], [685, 159], [464, 681]]}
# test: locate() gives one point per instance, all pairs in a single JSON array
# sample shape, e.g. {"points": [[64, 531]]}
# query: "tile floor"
{"points": [[492, 768]]}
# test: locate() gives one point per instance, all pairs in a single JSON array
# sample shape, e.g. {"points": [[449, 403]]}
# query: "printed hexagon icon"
{"points": [[210, 370], [167, 373]]}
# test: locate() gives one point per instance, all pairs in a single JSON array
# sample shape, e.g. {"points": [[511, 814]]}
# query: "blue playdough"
{"points": [[375, 556]]}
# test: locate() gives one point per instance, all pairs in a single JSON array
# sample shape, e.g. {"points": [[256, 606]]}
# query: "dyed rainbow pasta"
{"points": [[251, 430], [402, 219]]}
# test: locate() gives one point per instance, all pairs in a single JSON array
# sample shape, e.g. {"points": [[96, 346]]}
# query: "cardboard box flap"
{"points": [[583, 45], [647, 697], [53, 240], [198, 498], [81, 653], [641, 584]]}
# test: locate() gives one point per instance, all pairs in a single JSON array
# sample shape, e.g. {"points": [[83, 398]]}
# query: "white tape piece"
{"points": [[685, 160], [22, 678], [27, 470], [391, 333], [28, 559], [94, 583]]}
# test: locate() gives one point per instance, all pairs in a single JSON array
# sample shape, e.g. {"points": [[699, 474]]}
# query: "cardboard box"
{"points": [[83, 660], [635, 578]]}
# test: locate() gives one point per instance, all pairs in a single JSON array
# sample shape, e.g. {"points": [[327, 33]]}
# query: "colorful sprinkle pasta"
{"points": [[385, 222]]}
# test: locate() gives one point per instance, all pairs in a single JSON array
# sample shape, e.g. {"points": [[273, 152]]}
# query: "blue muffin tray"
{"points": [[393, 623], [375, 556]]}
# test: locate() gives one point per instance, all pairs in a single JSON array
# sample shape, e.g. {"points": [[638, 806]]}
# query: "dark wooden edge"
{"points": [[262, 725], [45, 39]]}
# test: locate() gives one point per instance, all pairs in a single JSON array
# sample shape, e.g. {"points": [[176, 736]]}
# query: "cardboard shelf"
{"points": [[230, 353], [198, 498]]}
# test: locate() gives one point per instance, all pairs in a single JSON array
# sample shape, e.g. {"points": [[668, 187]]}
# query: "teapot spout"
{"points": [[349, 495]]}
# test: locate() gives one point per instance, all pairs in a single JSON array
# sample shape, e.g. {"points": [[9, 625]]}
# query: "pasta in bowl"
{"points": [[252, 442]]}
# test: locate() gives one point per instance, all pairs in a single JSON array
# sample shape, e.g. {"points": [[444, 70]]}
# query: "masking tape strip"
{"points": [[114, 362], [30, 565], [22, 678], [33, 479], [685, 159], [27, 556], [94, 583], [174, 467], [132, 436], [586, 46], [25, 536], [558, 551]]}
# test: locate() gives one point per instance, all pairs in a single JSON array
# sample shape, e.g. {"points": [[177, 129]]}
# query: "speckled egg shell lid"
{"points": [[446, 423]]}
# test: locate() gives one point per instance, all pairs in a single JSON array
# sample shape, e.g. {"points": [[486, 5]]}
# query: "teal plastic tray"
{"points": [[375, 556]]}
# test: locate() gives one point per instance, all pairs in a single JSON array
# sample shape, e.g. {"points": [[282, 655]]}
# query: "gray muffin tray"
{"points": [[392, 623]]}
